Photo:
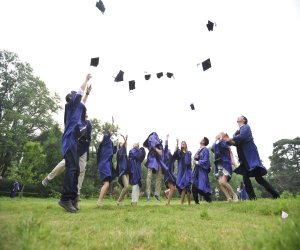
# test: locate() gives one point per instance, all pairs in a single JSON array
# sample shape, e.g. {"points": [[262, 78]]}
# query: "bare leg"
{"points": [[171, 191], [182, 196], [167, 192], [224, 189], [229, 188], [103, 192], [189, 198]]}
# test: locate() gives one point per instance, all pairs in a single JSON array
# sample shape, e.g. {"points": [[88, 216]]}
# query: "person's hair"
{"points": [[206, 141], [245, 119], [242, 184], [68, 97], [185, 144]]}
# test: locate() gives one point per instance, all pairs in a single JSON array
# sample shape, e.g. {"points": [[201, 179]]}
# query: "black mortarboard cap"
{"points": [[147, 77], [131, 85], [100, 6], [95, 62], [170, 75], [159, 75], [210, 25], [206, 64], [119, 77], [192, 106]]}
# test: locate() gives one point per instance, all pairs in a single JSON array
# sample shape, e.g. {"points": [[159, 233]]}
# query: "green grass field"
{"points": [[31, 223]]}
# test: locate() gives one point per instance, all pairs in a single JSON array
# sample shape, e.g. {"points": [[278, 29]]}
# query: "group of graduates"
{"points": [[76, 140]]}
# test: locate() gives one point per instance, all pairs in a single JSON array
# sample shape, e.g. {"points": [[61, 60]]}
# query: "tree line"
{"points": [[30, 141]]}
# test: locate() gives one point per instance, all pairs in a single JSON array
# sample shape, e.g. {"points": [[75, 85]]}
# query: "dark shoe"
{"points": [[148, 197], [277, 195], [75, 205], [45, 182], [157, 198], [67, 205]]}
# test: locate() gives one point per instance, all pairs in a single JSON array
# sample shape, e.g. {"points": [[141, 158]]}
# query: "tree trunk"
{"points": [[21, 193]]}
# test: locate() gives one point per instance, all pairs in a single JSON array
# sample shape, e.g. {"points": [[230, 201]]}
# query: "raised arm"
{"points": [[125, 140], [176, 147], [112, 124], [88, 91]]}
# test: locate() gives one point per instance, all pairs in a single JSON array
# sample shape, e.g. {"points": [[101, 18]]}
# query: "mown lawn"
{"points": [[31, 223]]}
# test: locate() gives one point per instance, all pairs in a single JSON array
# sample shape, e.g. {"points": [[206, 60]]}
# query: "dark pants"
{"points": [[260, 180], [196, 191], [70, 188]]}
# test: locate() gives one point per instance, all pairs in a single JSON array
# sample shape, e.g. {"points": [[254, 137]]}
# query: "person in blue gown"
{"points": [[106, 169], [243, 192], [169, 162], [152, 166], [15, 189], [201, 184], [169, 178], [74, 126], [250, 163], [136, 156], [155, 161], [223, 168], [122, 169], [184, 174]]}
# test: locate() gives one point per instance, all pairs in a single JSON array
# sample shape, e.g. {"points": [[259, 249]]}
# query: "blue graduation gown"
{"points": [[106, 151], [169, 162], [244, 139], [200, 172], [73, 112], [222, 156], [184, 175], [122, 168], [136, 157], [243, 193], [152, 155], [84, 143], [15, 188]]}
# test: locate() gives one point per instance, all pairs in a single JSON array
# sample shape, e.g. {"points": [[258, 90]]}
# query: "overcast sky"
{"points": [[254, 52]]}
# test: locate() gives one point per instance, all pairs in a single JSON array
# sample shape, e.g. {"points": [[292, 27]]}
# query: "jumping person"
{"points": [[250, 163], [223, 168], [152, 165], [74, 126], [184, 175], [106, 169], [122, 169], [201, 184], [136, 156], [84, 145]]}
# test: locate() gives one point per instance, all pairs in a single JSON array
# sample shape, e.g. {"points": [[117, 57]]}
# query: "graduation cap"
{"points": [[159, 75], [119, 77], [95, 62], [192, 107], [100, 6], [131, 85], [147, 77], [206, 64], [210, 25], [170, 75]]}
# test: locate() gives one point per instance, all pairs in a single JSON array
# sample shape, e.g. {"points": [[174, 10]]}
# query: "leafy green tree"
{"points": [[26, 107], [32, 158], [284, 173]]}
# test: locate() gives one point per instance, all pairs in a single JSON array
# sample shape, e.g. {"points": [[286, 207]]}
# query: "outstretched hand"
{"points": [[88, 77], [88, 89]]}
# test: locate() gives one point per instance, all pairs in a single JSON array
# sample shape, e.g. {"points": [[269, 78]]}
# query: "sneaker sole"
{"points": [[69, 210]]}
